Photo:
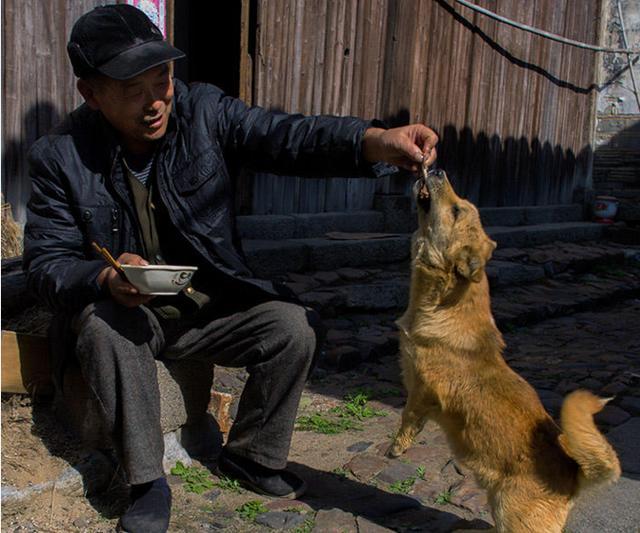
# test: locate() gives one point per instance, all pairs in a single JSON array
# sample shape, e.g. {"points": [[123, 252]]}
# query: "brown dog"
{"points": [[454, 372]]}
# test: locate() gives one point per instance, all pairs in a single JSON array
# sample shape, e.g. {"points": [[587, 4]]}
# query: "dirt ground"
{"points": [[598, 350]]}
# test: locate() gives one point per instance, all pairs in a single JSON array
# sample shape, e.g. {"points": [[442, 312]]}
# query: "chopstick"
{"points": [[109, 258]]}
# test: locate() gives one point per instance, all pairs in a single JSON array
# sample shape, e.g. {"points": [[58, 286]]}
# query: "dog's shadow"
{"points": [[397, 512]]}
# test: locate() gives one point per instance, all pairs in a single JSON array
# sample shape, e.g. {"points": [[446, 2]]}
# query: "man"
{"points": [[146, 169]]}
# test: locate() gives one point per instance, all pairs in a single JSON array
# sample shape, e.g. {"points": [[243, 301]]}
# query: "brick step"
{"points": [[271, 257]]}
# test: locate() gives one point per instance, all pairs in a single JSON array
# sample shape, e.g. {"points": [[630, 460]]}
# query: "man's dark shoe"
{"points": [[150, 508], [260, 479]]}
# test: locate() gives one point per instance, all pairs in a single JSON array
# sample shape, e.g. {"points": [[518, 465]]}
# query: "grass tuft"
{"points": [[250, 510], [341, 418], [197, 480]]}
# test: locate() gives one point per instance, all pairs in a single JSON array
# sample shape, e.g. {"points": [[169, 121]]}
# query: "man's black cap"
{"points": [[118, 41]]}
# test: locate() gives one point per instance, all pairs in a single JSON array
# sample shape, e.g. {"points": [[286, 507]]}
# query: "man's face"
{"points": [[138, 108]]}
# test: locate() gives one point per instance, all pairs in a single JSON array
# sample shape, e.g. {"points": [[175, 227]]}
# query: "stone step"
{"points": [[524, 236], [512, 306], [386, 287], [308, 225], [267, 258], [304, 226], [528, 304], [531, 215], [271, 257]]}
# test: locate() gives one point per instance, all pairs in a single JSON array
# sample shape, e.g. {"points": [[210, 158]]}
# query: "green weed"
{"points": [[306, 526], [195, 479], [444, 498], [355, 405], [228, 484], [339, 471], [322, 424], [405, 485], [249, 510], [342, 417], [402, 486]]}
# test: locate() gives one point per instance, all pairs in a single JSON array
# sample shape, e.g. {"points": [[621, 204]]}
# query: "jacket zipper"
{"points": [[123, 202]]}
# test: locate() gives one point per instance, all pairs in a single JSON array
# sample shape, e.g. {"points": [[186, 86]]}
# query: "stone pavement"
{"points": [[352, 485]]}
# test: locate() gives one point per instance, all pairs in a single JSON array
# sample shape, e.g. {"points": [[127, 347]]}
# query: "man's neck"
{"points": [[138, 149]]}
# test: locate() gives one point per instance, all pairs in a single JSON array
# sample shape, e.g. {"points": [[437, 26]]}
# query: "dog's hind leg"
{"points": [[414, 416], [522, 506]]}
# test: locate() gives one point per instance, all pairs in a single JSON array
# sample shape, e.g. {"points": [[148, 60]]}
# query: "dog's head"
{"points": [[450, 236]]}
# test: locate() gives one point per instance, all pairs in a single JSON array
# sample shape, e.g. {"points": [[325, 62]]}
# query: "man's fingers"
{"points": [[431, 159]]}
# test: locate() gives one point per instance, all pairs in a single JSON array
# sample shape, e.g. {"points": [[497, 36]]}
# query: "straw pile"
{"points": [[11, 234]]}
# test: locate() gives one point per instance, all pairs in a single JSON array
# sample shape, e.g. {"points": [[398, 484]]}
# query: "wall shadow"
{"points": [[494, 171], [16, 184]]}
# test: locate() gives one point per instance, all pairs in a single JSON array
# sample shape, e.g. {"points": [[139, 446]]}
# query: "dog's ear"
{"points": [[470, 261]]}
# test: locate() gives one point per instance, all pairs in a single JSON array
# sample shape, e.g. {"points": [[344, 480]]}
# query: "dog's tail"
{"points": [[582, 441]]}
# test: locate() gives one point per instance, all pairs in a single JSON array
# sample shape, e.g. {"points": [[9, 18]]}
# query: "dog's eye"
{"points": [[456, 211]]}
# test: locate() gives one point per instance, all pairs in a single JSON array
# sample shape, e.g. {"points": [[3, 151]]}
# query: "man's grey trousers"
{"points": [[116, 347]]}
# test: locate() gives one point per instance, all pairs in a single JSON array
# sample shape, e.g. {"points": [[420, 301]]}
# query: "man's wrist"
{"points": [[103, 281], [371, 145]]}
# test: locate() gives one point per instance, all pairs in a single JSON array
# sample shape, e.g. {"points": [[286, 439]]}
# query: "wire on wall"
{"points": [[546, 34]]}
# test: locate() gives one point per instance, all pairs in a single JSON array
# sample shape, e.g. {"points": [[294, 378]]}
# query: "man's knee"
{"points": [[297, 326]]}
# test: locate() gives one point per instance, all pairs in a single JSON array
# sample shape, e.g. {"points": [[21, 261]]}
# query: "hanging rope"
{"points": [[547, 34]]}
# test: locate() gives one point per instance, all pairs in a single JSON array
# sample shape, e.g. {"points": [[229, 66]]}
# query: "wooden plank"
{"points": [[26, 366], [246, 61]]}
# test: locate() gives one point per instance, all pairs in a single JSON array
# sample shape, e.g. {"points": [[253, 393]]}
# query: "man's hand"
{"points": [[122, 291], [404, 146]]}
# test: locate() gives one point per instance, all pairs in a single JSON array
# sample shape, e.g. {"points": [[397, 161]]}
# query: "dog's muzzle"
{"points": [[426, 185]]}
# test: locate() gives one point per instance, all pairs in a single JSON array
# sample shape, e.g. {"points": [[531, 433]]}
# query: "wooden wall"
{"points": [[38, 86], [514, 111]]}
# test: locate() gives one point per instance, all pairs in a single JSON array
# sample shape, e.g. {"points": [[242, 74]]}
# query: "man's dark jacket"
{"points": [[80, 194]]}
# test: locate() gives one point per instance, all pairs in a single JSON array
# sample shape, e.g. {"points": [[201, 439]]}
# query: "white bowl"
{"points": [[159, 280]]}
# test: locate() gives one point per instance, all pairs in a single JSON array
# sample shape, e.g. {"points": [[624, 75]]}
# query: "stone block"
{"points": [[185, 389]]}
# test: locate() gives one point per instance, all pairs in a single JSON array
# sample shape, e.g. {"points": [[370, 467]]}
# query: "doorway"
{"points": [[210, 34]]}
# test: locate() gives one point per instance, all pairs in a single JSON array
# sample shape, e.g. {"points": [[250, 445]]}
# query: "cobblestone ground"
{"points": [[353, 486]]}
